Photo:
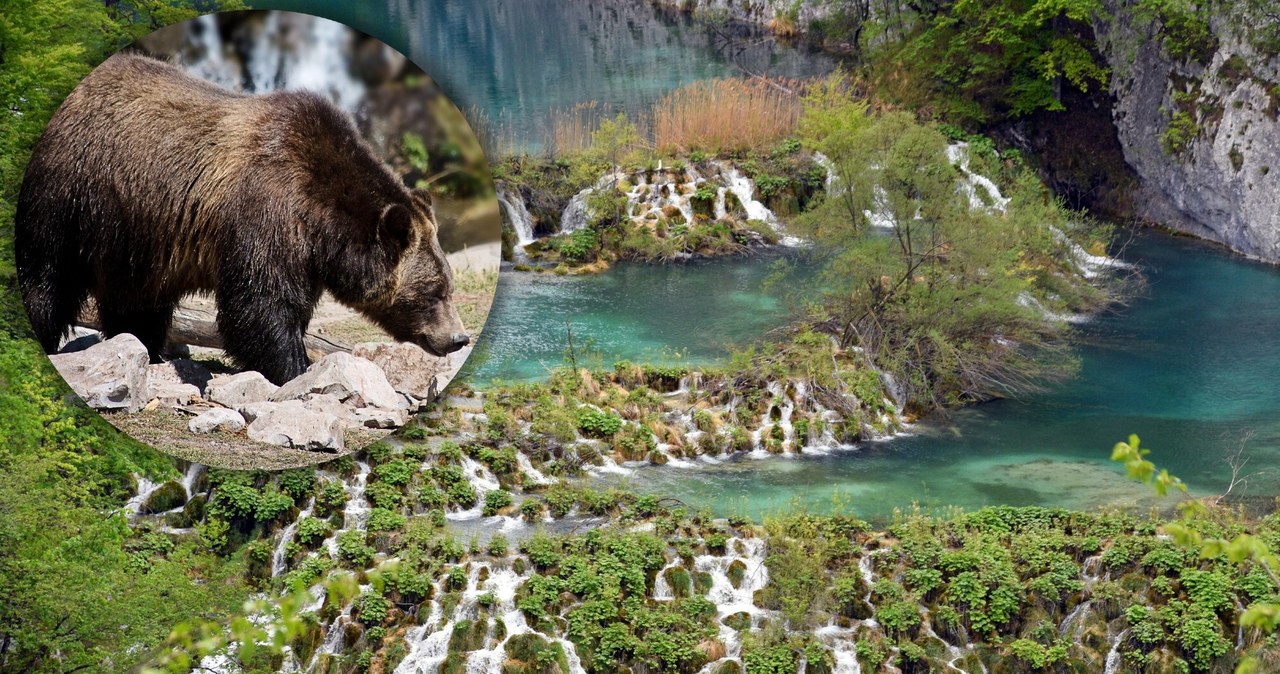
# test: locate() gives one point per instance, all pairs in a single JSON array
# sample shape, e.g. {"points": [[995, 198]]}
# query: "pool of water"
{"points": [[691, 313], [1190, 365]]}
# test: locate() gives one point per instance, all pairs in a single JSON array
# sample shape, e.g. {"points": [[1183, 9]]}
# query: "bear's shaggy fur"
{"points": [[149, 184]]}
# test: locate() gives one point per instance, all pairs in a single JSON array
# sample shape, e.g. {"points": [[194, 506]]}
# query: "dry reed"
{"points": [[726, 115]]}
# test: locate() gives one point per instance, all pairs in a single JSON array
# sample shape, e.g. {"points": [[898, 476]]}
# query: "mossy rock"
{"points": [[192, 513], [740, 621], [305, 644], [702, 582], [679, 580], [167, 496], [524, 652], [468, 635], [736, 572], [730, 667], [454, 663], [733, 206], [351, 633], [824, 665]]}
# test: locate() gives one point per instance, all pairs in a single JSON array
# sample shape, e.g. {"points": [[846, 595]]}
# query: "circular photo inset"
{"points": [[256, 239]]}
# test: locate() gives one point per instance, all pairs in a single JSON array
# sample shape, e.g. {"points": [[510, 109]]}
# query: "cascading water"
{"points": [[280, 558], [288, 52], [519, 217], [145, 488], [750, 552]]}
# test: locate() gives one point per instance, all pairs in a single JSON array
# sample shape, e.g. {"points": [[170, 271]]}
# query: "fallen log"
{"points": [[197, 326]]}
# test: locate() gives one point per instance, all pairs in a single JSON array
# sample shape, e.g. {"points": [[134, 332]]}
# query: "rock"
{"points": [[177, 382], [170, 393], [166, 497], [328, 404], [291, 424], [252, 411], [79, 340], [373, 417], [409, 368], [355, 381], [240, 389], [1219, 177], [217, 419], [109, 375], [180, 371]]}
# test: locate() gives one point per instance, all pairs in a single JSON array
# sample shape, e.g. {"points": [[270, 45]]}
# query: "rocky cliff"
{"points": [[1202, 131]]}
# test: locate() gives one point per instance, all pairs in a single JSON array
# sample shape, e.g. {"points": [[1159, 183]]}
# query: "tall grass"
{"points": [[712, 116], [726, 115]]}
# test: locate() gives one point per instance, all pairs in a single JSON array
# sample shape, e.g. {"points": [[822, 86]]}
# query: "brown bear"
{"points": [[150, 184]]}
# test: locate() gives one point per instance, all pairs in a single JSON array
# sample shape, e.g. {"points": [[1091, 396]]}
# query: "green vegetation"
{"points": [[82, 589], [925, 294]]}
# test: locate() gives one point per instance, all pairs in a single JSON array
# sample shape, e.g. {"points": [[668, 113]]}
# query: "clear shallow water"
{"points": [[515, 61], [690, 313], [1191, 366]]}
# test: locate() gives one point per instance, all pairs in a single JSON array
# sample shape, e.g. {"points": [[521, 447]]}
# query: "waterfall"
{"points": [[843, 648], [521, 221], [832, 177], [958, 154], [1075, 617], [279, 558], [145, 488], [574, 216], [661, 588], [288, 52], [482, 480], [1113, 655], [1088, 264], [356, 512], [534, 475], [729, 600]]}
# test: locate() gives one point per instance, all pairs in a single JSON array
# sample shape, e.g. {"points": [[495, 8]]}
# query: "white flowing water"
{"points": [[145, 488], [279, 558], [958, 154], [730, 600], [532, 475], [1113, 661], [355, 514], [518, 215], [289, 52]]}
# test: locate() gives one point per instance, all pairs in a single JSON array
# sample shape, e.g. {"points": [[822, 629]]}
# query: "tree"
{"points": [[932, 287]]}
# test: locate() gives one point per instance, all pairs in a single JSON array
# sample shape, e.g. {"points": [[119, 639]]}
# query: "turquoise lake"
{"points": [[1190, 365]]}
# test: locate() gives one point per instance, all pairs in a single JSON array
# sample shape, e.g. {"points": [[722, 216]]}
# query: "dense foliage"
{"points": [[940, 277]]}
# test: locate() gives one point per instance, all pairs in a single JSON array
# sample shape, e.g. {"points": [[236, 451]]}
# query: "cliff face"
{"points": [[760, 12], [1202, 134]]}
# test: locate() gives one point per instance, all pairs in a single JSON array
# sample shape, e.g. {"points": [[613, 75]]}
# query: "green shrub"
{"points": [[496, 500]]}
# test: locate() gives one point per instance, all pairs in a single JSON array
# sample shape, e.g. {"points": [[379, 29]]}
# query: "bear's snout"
{"points": [[460, 339]]}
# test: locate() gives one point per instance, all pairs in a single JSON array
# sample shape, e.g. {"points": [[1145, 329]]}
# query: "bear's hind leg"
{"points": [[150, 326], [53, 308]]}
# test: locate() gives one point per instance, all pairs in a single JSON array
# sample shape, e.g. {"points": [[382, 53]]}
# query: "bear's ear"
{"points": [[396, 226], [421, 199]]}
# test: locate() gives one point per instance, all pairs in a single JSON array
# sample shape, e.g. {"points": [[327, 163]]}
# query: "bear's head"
{"points": [[410, 295]]}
